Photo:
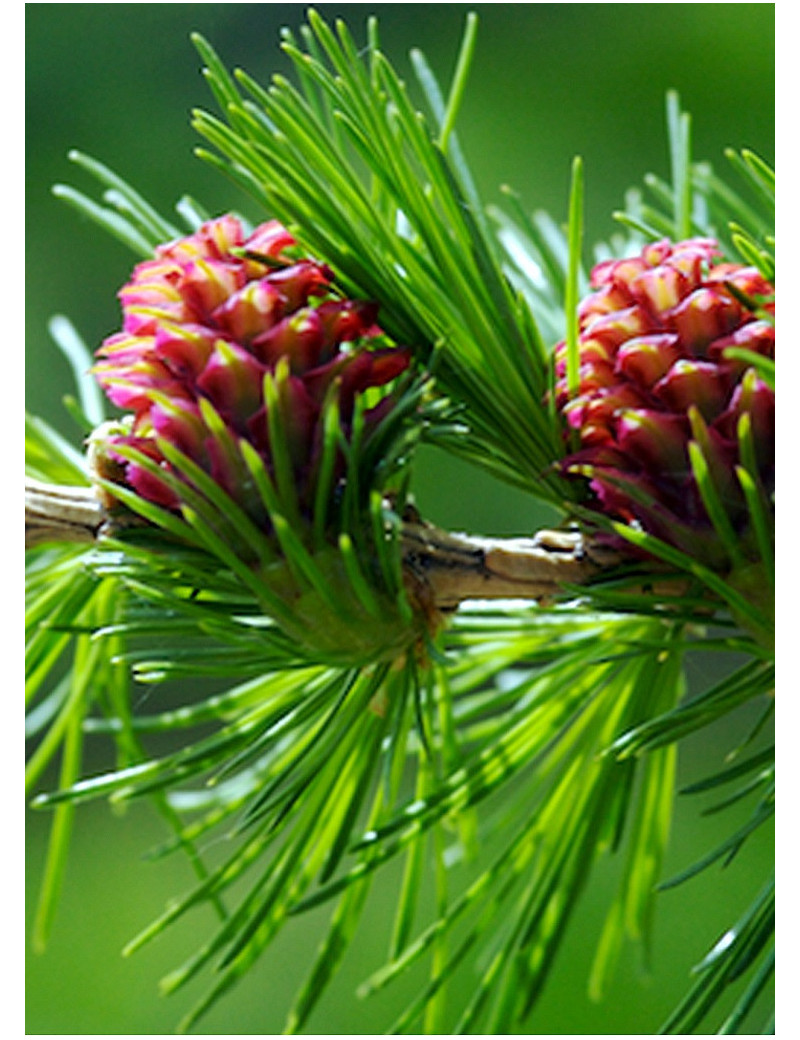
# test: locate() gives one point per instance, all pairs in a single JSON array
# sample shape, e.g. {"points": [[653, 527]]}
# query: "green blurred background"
{"points": [[118, 82]]}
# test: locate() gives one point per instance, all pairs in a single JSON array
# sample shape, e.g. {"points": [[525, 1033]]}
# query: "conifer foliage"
{"points": [[270, 385]]}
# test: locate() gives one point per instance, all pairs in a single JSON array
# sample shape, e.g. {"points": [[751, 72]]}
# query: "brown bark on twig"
{"points": [[441, 569], [458, 567], [58, 513]]}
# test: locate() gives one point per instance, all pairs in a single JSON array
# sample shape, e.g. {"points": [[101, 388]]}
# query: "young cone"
{"points": [[254, 392], [228, 320], [660, 367]]}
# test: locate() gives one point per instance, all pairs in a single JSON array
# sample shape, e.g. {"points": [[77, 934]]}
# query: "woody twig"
{"points": [[446, 568]]}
